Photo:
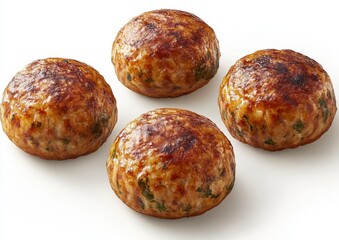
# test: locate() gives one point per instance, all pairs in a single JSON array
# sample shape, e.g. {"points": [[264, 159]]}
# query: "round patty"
{"points": [[171, 163], [277, 99], [58, 109], [165, 53]]}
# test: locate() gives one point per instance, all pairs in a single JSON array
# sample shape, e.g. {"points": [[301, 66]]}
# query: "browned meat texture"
{"points": [[277, 99], [171, 163], [58, 109], [165, 53]]}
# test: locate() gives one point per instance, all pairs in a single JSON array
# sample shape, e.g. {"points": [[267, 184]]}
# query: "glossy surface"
{"points": [[277, 99], [171, 163], [58, 109], [291, 194], [165, 53]]}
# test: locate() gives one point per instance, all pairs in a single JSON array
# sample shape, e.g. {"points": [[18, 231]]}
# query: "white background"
{"points": [[291, 194]]}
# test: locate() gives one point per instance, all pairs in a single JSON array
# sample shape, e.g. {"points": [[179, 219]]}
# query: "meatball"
{"points": [[171, 163], [165, 53], [58, 108], [277, 99]]}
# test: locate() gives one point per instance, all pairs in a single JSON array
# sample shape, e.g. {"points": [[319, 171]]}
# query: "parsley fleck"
{"points": [[324, 109], [143, 184], [161, 206], [114, 154], [206, 192], [248, 122], [269, 141], [230, 187], [49, 149], [129, 77], [97, 128], [188, 208], [298, 126]]}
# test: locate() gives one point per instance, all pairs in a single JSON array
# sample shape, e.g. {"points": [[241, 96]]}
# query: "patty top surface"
{"points": [[165, 33], [277, 99], [277, 77], [63, 85], [172, 158], [58, 108], [165, 53]]}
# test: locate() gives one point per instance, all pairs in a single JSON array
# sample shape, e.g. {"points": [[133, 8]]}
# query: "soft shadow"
{"points": [[88, 171], [225, 217]]}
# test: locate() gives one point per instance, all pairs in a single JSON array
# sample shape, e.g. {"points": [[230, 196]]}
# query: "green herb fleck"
{"points": [[114, 154], [269, 141], [206, 192], [118, 185], [324, 109], [199, 73], [229, 188], [66, 141], [248, 122], [188, 208], [161, 206], [49, 149], [202, 72], [97, 128], [129, 77], [143, 184], [149, 80], [299, 126]]}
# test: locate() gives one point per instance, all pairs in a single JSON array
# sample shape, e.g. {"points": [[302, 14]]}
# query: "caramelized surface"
{"points": [[58, 108], [171, 163], [165, 53], [277, 99]]}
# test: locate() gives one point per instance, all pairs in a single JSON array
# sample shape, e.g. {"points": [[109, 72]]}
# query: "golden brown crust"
{"points": [[58, 108], [277, 99], [165, 53], [171, 163]]}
